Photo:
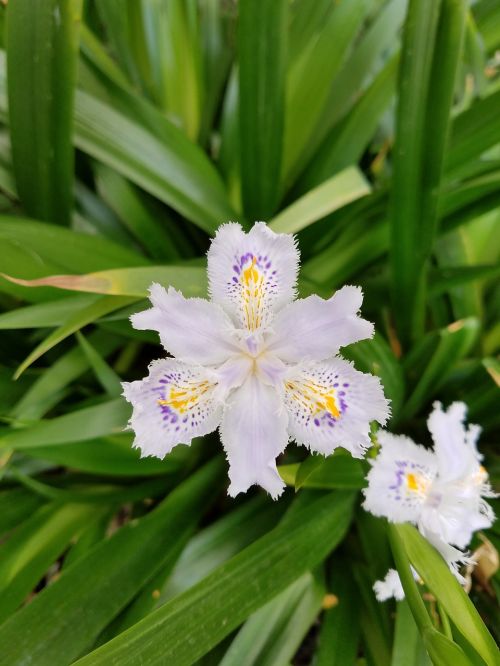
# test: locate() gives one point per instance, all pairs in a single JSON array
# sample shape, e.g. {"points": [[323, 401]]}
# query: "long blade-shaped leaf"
{"points": [[192, 623], [262, 56], [66, 617], [41, 59], [431, 48]]}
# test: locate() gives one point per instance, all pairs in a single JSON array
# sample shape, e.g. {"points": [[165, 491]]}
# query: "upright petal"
{"points": [[191, 329], [253, 433], [252, 275], [331, 404], [171, 406], [400, 479], [455, 446], [315, 329]]}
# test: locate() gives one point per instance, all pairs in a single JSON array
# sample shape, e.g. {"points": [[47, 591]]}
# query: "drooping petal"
{"points": [[331, 404], [191, 329], [455, 511], [454, 557], [253, 432], [171, 406], [391, 587], [454, 444], [400, 479], [252, 275], [315, 329]]}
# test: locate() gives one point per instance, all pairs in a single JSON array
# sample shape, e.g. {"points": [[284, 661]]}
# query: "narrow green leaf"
{"points": [[454, 342], [431, 49], [340, 629], [42, 43], [82, 424], [337, 471], [444, 586], [205, 551], [174, 170], [45, 392], [262, 35], [273, 634], [133, 211], [126, 282], [106, 579], [218, 542], [455, 276], [27, 555], [407, 648], [474, 131], [312, 76], [70, 250], [444, 651], [106, 376], [16, 505], [347, 141], [338, 191], [109, 455], [47, 314], [210, 610], [74, 323]]}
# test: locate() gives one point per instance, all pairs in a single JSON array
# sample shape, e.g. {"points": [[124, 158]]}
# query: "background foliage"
{"points": [[130, 130]]}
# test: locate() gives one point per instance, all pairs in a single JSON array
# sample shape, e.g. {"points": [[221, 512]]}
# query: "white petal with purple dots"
{"points": [[254, 363]]}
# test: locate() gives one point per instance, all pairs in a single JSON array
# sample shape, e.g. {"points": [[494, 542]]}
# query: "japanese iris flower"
{"points": [[441, 491], [254, 362]]}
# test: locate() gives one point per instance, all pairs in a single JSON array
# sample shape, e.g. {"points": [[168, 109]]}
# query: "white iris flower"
{"points": [[254, 362], [441, 491]]}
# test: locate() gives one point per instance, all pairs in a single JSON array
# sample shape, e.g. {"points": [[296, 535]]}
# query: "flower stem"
{"points": [[412, 593]]}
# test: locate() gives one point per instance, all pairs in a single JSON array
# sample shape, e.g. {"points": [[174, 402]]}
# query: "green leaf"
{"points": [[172, 168], [71, 251], [432, 43], [74, 323], [110, 455], [27, 555], [106, 376], [219, 603], [407, 649], [204, 552], [454, 342], [473, 132], [47, 314], [262, 35], [339, 634], [219, 541], [444, 586], [82, 424], [339, 470], [347, 141], [42, 43], [126, 282], [442, 650], [47, 389], [273, 634], [133, 211], [16, 505], [338, 191], [106, 579], [311, 78]]}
